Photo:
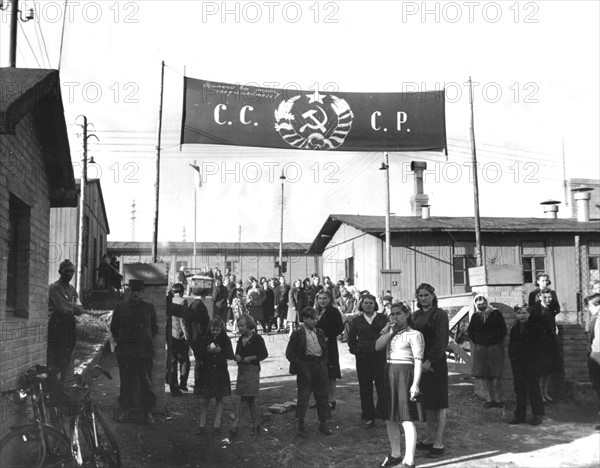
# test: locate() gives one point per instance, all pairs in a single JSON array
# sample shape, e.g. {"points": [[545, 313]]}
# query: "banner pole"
{"points": [[157, 183]]}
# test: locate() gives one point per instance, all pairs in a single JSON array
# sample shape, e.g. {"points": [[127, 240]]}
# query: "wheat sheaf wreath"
{"points": [[334, 136]]}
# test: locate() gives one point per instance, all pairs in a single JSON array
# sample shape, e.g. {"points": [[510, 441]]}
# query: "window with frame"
{"points": [[460, 269], [463, 258], [594, 264], [533, 260], [17, 272]]}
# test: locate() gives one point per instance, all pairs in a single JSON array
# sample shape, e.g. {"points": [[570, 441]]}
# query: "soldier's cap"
{"points": [[136, 285]]}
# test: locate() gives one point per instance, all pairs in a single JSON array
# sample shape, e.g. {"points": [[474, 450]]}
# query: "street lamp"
{"points": [[282, 178], [385, 166], [82, 187], [14, 15]]}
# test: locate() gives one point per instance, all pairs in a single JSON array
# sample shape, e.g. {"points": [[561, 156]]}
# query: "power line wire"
{"points": [[29, 43], [39, 25], [62, 36]]}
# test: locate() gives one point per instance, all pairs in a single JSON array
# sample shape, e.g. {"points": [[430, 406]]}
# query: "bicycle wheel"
{"points": [[23, 448], [82, 441], [108, 453]]}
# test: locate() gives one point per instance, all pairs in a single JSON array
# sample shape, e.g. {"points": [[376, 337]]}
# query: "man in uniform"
{"points": [[133, 327]]}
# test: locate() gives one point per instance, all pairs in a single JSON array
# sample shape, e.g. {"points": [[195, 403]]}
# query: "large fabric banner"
{"points": [[228, 114]]}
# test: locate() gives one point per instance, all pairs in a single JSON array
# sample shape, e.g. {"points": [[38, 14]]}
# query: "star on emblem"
{"points": [[315, 97]]}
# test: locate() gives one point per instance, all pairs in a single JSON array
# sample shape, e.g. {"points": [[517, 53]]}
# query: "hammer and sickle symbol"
{"points": [[317, 124]]}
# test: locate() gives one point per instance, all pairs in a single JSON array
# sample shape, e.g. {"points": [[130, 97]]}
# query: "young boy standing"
{"points": [[307, 353], [525, 349]]}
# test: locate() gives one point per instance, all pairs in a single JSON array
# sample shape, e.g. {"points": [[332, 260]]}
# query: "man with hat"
{"points": [[133, 327], [63, 306]]}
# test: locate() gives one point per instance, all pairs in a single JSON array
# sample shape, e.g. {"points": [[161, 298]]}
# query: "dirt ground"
{"points": [[475, 437]]}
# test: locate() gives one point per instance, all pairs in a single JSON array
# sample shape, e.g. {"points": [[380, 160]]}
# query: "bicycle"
{"points": [[37, 444], [92, 441]]}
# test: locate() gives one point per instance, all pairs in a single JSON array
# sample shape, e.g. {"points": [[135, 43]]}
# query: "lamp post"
{"points": [[14, 16], [82, 187], [385, 166], [282, 178]]}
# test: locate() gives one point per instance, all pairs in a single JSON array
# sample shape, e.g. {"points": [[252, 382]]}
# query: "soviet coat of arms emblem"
{"points": [[314, 122]]}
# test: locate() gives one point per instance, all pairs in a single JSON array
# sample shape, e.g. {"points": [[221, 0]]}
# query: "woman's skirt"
{"points": [[215, 383], [551, 360], [488, 361], [291, 315], [397, 405], [257, 313], [434, 386], [247, 380], [333, 361]]}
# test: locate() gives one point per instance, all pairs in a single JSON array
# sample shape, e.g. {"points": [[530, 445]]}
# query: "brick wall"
{"points": [[23, 340]]}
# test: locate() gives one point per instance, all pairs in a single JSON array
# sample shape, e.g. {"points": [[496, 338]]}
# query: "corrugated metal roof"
{"points": [[376, 224]]}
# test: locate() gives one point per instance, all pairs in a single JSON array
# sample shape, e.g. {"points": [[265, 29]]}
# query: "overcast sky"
{"points": [[536, 65]]}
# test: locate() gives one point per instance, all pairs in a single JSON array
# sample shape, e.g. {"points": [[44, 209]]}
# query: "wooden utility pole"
{"points": [[479, 250], [157, 183]]}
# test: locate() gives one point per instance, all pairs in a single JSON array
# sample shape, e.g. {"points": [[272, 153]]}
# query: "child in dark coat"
{"points": [[215, 350], [525, 349]]}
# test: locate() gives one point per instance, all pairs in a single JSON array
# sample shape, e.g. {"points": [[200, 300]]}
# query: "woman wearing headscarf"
{"points": [[486, 331]]}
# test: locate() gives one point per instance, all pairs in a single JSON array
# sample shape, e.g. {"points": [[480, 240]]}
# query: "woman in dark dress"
{"points": [[544, 313], [255, 298], [214, 376], [268, 306], [297, 302], [329, 320], [433, 324], [250, 350]]}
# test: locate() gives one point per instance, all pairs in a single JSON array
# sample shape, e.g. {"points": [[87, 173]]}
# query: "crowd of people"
{"points": [[400, 355]]}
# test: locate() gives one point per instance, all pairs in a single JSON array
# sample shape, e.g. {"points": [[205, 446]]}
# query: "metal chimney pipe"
{"points": [[425, 213], [582, 197], [550, 208]]}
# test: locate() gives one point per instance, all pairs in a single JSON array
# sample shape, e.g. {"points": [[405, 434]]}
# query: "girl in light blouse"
{"points": [[404, 353]]}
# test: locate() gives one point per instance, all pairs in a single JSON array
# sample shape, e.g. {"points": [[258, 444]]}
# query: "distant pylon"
{"points": [[133, 212]]}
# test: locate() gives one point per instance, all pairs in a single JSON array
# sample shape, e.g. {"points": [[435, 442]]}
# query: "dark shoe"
{"points": [[391, 461], [324, 429], [489, 404], [424, 446], [183, 388], [435, 452], [148, 418], [233, 431], [302, 430], [175, 392], [499, 404], [332, 405], [216, 431], [536, 420], [255, 430], [369, 424]]}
